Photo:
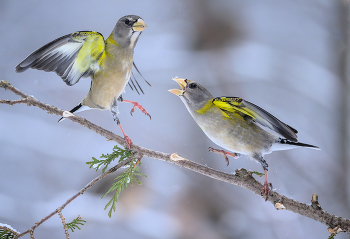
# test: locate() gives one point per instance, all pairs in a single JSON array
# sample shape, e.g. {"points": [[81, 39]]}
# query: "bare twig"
{"points": [[59, 211], [242, 177], [13, 102]]}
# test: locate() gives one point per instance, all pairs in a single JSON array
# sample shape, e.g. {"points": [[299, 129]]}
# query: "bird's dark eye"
{"points": [[127, 21], [192, 85]]}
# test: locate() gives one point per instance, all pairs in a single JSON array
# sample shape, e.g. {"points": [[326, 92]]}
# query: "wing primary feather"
{"points": [[55, 63], [141, 74], [137, 82], [62, 68], [134, 86], [294, 130], [130, 86], [277, 125], [43, 65], [139, 86], [27, 63], [39, 61], [65, 75]]}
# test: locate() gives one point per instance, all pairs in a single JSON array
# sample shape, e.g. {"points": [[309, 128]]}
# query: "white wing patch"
{"points": [[67, 49]]}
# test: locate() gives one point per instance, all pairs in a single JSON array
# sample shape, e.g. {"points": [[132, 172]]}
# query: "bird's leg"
{"points": [[136, 105], [127, 138], [114, 112], [224, 154], [266, 189]]}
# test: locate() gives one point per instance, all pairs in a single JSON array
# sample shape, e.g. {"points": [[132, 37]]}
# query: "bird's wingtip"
{"points": [[19, 68]]}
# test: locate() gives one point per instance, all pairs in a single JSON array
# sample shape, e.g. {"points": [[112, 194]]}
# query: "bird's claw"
{"points": [[128, 141], [132, 110], [137, 105], [224, 154]]}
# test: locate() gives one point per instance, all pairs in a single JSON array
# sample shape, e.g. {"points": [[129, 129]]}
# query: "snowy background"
{"points": [[288, 57]]}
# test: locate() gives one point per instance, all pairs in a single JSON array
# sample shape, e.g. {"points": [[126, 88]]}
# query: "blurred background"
{"points": [[288, 57]]}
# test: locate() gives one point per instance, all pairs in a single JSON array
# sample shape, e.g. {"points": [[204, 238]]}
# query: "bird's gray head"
{"points": [[192, 94], [127, 30]]}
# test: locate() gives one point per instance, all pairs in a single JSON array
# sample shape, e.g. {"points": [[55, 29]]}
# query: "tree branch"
{"points": [[89, 185], [242, 177]]}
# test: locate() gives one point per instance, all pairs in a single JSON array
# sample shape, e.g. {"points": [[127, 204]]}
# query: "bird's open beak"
{"points": [[182, 83], [139, 25]]}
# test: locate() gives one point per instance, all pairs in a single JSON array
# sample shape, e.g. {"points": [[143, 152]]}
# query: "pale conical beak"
{"points": [[182, 83], [139, 25]]}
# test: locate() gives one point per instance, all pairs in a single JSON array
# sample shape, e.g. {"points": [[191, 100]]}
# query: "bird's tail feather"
{"points": [[284, 144], [77, 109]]}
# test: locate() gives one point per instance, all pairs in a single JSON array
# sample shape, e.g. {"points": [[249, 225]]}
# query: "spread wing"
{"points": [[71, 56], [257, 114]]}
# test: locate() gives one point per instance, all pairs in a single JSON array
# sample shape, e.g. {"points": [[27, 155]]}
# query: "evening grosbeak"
{"points": [[86, 54], [234, 124]]}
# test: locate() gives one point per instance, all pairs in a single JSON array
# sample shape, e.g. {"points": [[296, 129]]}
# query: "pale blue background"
{"points": [[288, 57]]}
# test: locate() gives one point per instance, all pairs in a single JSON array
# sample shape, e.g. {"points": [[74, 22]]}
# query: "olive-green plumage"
{"points": [[234, 124], [82, 54]]}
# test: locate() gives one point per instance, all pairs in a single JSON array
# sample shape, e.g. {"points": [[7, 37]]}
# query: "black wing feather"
{"points": [[60, 56], [272, 122], [32, 58]]}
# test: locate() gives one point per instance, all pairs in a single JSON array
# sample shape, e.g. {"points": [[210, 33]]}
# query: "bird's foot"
{"points": [[126, 138], [224, 154], [266, 189], [128, 141], [137, 105]]}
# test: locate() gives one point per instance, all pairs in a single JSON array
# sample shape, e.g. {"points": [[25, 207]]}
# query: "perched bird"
{"points": [[85, 53], [234, 124]]}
